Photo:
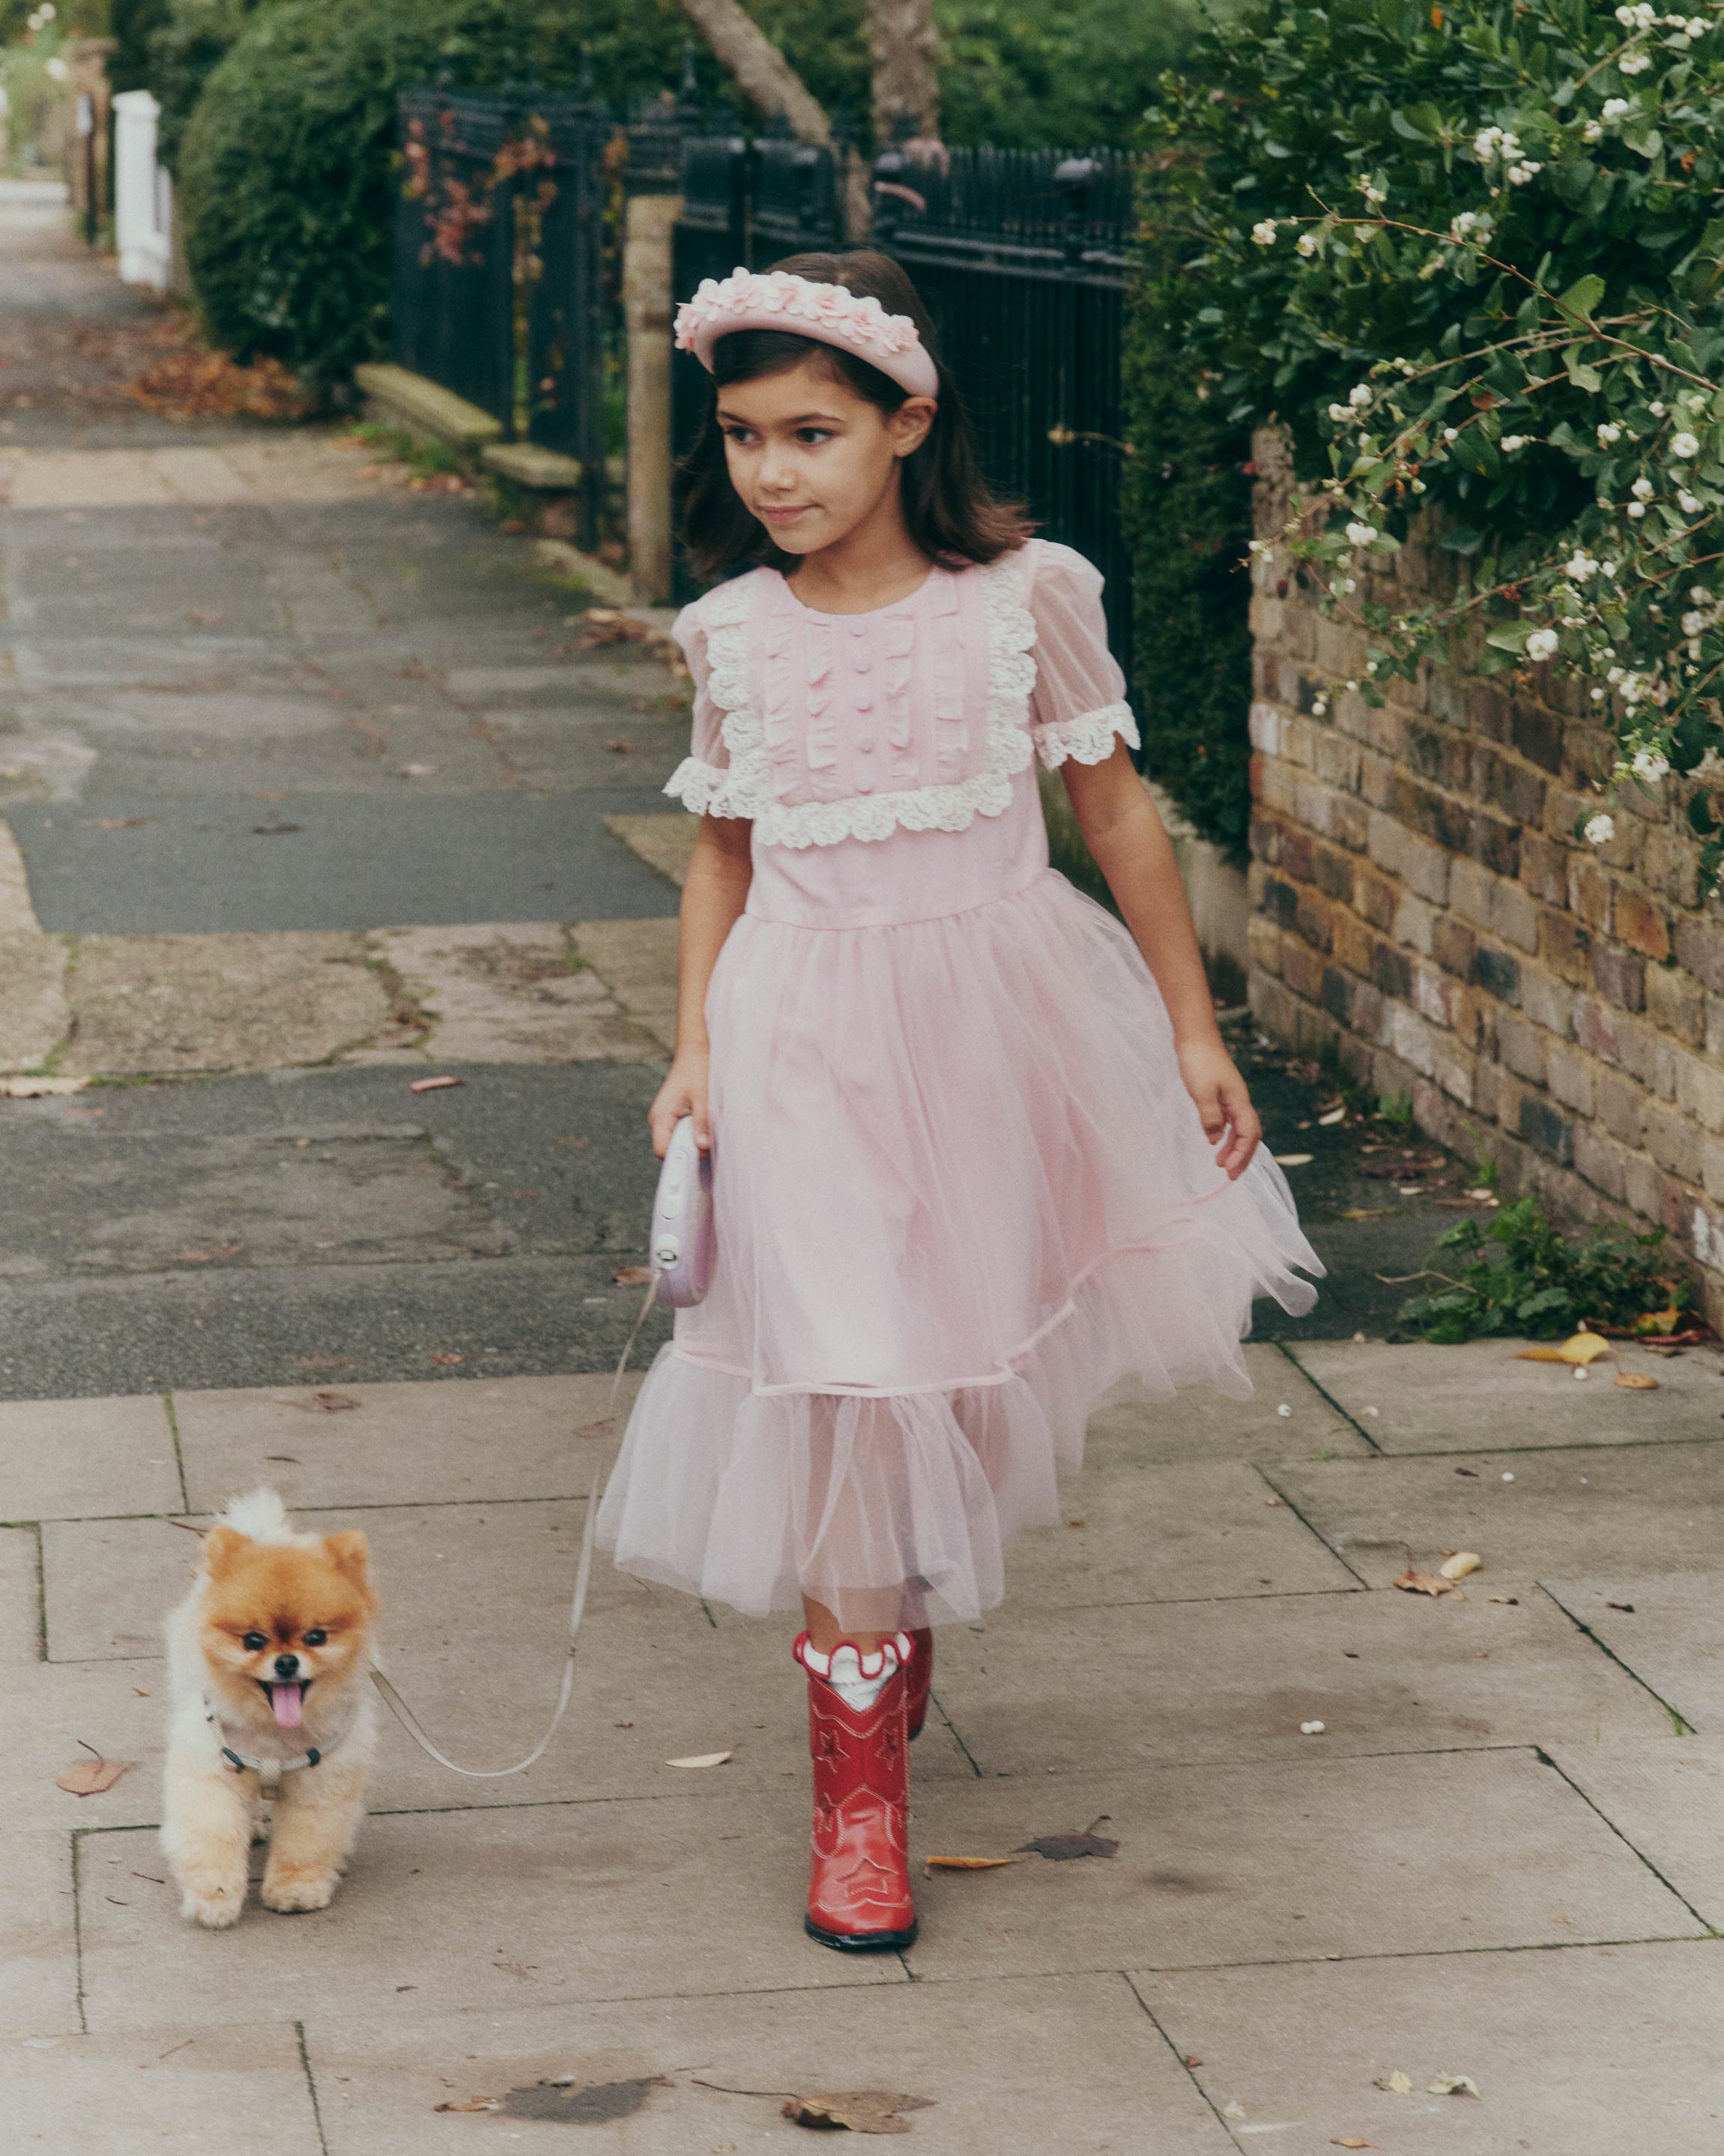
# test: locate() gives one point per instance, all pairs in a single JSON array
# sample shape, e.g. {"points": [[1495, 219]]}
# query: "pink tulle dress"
{"points": [[963, 1197]]}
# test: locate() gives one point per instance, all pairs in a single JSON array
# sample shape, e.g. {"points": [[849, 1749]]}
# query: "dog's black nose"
{"points": [[287, 1667]]}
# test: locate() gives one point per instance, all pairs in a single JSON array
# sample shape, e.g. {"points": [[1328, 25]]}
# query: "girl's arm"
{"points": [[1119, 821], [714, 893]]}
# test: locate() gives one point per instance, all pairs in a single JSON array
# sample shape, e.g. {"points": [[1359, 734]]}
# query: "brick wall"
{"points": [[1422, 909]]}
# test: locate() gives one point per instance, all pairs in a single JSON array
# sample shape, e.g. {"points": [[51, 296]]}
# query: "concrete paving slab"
{"points": [[21, 1624], [1136, 1531], [1668, 1628], [196, 2091], [1038, 1690], [17, 915], [231, 1003], [52, 1712], [636, 961], [1416, 1398], [459, 1441], [492, 1911], [1591, 2053], [39, 1954], [84, 1458], [474, 1620], [1592, 1509], [1204, 1424], [366, 853], [1071, 2065], [666, 842], [1282, 1863], [511, 993], [1667, 1801], [33, 1013]]}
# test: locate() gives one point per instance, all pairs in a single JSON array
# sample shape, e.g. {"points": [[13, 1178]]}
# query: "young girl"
{"points": [[980, 1159]]}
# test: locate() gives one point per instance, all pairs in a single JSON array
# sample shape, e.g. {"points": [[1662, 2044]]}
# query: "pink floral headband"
{"points": [[828, 313]]}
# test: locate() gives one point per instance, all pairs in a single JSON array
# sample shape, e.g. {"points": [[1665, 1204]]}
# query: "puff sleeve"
{"points": [[1077, 708], [699, 778]]}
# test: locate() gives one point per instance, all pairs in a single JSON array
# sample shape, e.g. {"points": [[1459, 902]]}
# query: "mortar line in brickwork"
{"points": [[1316, 1386]]}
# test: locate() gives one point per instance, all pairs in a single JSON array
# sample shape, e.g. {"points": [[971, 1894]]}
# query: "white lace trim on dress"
{"points": [[1088, 738], [745, 788]]}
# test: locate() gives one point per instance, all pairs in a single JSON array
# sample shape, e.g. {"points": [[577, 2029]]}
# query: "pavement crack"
{"points": [[1684, 1728], [1352, 1422], [298, 2030], [179, 1457], [1310, 1526], [1669, 1885], [77, 1869], [1185, 2065]]}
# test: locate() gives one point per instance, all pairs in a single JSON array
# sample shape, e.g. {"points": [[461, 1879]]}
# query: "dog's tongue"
{"points": [[288, 1700]]}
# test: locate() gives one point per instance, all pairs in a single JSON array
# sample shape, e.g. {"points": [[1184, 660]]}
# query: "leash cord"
{"points": [[578, 1608]]}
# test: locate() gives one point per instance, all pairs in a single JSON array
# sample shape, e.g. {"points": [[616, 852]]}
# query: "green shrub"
{"points": [[1187, 511], [1471, 256], [1518, 1275]]}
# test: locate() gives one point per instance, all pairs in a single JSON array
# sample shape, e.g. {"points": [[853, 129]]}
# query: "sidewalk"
{"points": [[1289, 1920]]}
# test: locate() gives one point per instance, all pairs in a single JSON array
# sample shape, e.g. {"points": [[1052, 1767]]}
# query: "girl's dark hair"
{"points": [[952, 514]]}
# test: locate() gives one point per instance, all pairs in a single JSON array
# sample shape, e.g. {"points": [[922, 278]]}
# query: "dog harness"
{"points": [[241, 1762]]}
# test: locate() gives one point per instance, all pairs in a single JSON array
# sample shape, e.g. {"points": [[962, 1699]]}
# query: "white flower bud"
{"points": [[1305, 244], [1361, 535], [1264, 232], [1642, 490], [1359, 395], [1684, 445], [1599, 829], [1608, 433], [1541, 643], [1614, 109], [1690, 504], [1649, 766]]}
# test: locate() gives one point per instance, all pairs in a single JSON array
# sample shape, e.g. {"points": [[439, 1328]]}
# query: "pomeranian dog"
{"points": [[268, 1661]]}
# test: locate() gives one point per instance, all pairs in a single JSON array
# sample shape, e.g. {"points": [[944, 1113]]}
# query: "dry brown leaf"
{"points": [[1452, 2085], [318, 1403], [1397, 2083], [478, 2103], [91, 1776], [1062, 1848], [1334, 1116], [1353, 2141], [632, 1276], [1636, 1381], [434, 1085], [1580, 1349], [861, 2111], [1626, 1607], [1462, 1562], [966, 1863], [1295, 1159], [449, 1356], [702, 1759], [1422, 1582]]}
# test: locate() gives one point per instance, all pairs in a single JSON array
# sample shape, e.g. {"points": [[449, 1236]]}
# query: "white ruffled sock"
{"points": [[859, 1680]]}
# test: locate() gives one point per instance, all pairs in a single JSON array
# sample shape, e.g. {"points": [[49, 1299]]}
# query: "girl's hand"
{"points": [[1230, 1120], [683, 1093]]}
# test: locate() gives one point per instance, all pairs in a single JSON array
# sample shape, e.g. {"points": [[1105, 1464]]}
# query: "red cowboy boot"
{"points": [[920, 1677], [858, 1890]]}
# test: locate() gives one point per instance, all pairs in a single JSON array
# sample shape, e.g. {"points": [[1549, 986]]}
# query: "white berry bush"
{"points": [[1472, 258]]}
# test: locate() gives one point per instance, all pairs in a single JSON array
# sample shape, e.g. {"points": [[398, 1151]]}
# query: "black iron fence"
{"points": [[506, 268], [1020, 256]]}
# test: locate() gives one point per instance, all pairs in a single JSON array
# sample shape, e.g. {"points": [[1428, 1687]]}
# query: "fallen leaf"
{"points": [[434, 1085], [447, 1356], [478, 2104], [593, 2104], [599, 1428], [39, 1089], [861, 2111], [1452, 2085], [1582, 1348], [1062, 1848], [702, 1759], [1397, 2083], [1422, 1582], [319, 1404], [1329, 1120], [1512, 1601], [1353, 2141], [1295, 1159], [1626, 1607], [114, 823], [91, 1776], [1366, 1212], [966, 1863], [1636, 1381], [632, 1275], [1460, 1564], [1233, 2109]]}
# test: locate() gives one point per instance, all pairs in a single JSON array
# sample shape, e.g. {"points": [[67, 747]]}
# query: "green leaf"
{"points": [[1462, 539], [1584, 377], [1582, 295], [1512, 636], [1701, 818]]}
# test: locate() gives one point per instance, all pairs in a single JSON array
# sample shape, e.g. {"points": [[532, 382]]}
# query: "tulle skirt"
{"points": [[962, 1199]]}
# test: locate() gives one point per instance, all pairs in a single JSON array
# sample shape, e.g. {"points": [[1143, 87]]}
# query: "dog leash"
{"points": [[577, 1607]]}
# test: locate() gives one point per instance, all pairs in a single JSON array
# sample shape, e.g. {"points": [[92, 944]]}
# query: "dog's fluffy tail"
{"points": [[262, 1517]]}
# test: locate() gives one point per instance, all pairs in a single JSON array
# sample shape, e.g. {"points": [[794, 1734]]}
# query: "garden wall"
{"points": [[1422, 908]]}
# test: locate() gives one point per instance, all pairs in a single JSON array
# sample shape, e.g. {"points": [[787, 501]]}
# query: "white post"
{"points": [[142, 201]]}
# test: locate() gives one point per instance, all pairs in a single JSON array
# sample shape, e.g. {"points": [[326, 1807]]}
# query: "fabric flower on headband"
{"points": [[828, 313]]}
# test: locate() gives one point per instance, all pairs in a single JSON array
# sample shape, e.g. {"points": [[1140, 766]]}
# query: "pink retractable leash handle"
{"points": [[683, 1243]]}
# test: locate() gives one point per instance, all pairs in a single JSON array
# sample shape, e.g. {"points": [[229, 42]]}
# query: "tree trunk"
{"points": [[762, 74], [905, 48]]}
